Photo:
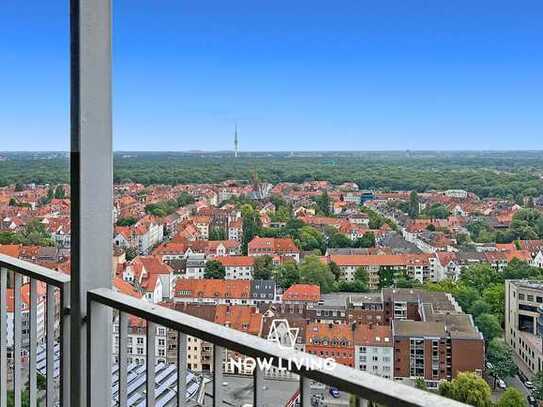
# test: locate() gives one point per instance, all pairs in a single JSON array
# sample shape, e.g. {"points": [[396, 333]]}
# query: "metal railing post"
{"points": [[91, 170]]}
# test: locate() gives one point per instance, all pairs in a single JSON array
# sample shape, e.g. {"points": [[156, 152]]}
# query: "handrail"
{"points": [[54, 281], [54, 278], [347, 379]]}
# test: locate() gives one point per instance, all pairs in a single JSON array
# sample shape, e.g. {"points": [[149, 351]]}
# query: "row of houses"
{"points": [[400, 334]]}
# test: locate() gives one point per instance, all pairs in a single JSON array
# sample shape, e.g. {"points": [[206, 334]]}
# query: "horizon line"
{"points": [[196, 151]]}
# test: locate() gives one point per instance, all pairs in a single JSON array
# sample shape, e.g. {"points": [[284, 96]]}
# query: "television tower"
{"points": [[236, 144]]}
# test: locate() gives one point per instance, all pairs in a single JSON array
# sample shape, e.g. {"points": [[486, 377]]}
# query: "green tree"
{"points": [[480, 231], [512, 398], [334, 268], [323, 203], [420, 384], [462, 239], [287, 274], [25, 398], [251, 225], [405, 281], [131, 253], [281, 214], [161, 209], [480, 276], [360, 283], [386, 277], [338, 240], [501, 357], [436, 211], [494, 296], [217, 233], [362, 276], [19, 187], [184, 199], [314, 271], [413, 205], [538, 385], [431, 227], [59, 192], [126, 221], [479, 307], [367, 240], [465, 295], [35, 233], [263, 268], [214, 270], [44, 200], [519, 270], [310, 238], [489, 325], [12, 202], [468, 388], [527, 224]]}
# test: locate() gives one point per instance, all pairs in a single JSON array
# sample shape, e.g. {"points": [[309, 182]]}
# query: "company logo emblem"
{"points": [[282, 334]]}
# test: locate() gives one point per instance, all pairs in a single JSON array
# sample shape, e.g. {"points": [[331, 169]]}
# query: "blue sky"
{"points": [[295, 75]]}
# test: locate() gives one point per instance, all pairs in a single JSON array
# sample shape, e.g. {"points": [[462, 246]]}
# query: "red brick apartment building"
{"points": [[437, 345], [330, 341]]}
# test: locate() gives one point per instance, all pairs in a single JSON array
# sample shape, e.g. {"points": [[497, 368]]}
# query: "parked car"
{"points": [[528, 385], [334, 392], [532, 402], [489, 365], [317, 385], [501, 384], [522, 377]]}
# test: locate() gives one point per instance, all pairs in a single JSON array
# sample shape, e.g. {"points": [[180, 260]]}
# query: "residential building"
{"points": [[281, 247], [330, 341], [237, 267], [524, 322], [373, 349]]}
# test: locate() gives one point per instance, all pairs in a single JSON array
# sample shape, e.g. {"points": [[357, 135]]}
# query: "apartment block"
{"points": [[524, 321]]}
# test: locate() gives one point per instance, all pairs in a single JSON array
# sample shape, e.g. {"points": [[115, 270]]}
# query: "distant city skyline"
{"points": [[293, 76]]}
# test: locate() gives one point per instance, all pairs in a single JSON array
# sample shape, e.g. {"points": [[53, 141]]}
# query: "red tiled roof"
{"points": [[125, 287], [12, 250], [241, 317], [303, 292], [373, 335], [153, 265], [205, 288], [285, 244], [330, 331], [236, 261]]}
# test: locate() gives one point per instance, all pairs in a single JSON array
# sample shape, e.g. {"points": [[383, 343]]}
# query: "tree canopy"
{"points": [[314, 271], [467, 387], [214, 270]]}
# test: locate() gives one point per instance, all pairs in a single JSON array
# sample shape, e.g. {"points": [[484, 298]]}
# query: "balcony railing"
{"points": [[77, 327], [99, 301], [52, 329]]}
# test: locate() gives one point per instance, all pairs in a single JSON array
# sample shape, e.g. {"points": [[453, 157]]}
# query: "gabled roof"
{"points": [[125, 287], [153, 265], [240, 317], [285, 244]]}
